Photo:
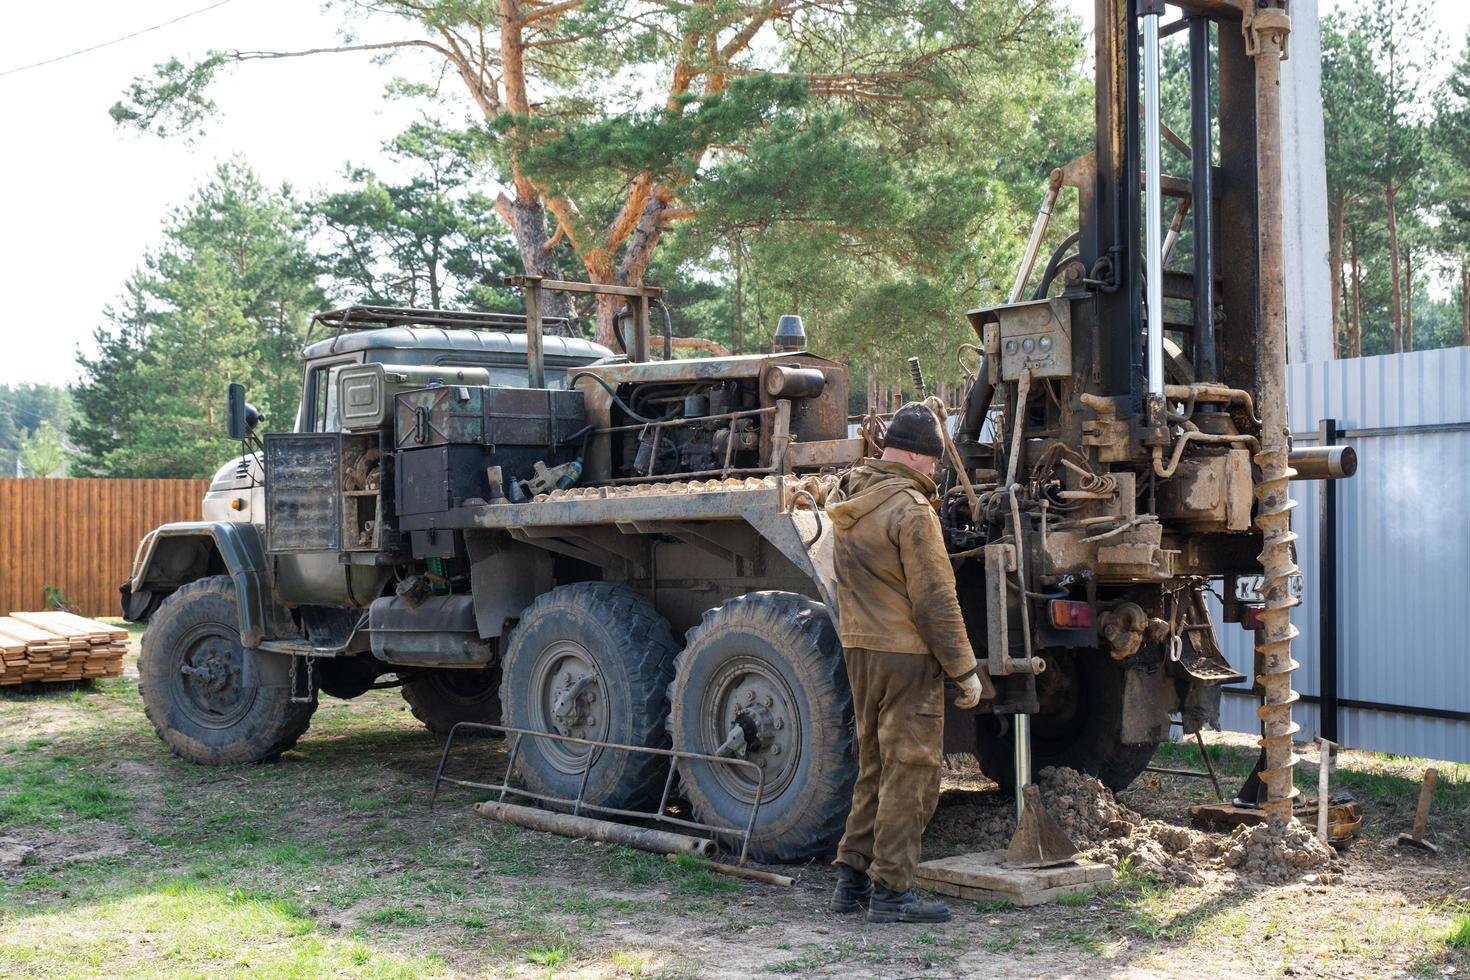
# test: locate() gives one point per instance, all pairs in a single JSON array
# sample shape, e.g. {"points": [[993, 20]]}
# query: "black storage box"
{"points": [[440, 478], [487, 415]]}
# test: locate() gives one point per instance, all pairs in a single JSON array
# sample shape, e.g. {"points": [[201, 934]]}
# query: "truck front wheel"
{"points": [[443, 698], [191, 674]]}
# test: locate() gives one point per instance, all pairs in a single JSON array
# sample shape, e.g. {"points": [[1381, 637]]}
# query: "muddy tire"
{"points": [[189, 675], [592, 660], [1083, 731], [442, 699], [783, 649]]}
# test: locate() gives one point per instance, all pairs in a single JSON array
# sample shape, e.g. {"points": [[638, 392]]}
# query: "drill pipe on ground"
{"points": [[1267, 29], [568, 825]]}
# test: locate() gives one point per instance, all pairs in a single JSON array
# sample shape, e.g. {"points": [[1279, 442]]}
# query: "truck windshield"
{"points": [[510, 375]]}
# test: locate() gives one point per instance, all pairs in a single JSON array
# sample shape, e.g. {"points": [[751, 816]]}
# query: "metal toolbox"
{"points": [[489, 416]]}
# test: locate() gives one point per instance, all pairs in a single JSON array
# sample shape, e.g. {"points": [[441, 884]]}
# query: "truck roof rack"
{"points": [[375, 317]]}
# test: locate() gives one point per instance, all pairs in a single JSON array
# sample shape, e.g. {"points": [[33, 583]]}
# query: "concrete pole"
{"points": [[1307, 266]]}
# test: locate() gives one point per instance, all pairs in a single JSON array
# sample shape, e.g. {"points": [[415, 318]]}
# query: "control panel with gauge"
{"points": [[1030, 337]]}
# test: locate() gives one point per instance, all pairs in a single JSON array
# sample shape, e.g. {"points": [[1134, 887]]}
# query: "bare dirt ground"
{"points": [[117, 859]]}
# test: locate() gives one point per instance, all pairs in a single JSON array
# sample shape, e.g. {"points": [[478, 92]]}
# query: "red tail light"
{"points": [[1253, 617], [1069, 615]]}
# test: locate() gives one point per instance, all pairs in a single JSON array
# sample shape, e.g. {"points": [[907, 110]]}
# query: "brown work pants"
{"points": [[898, 700]]}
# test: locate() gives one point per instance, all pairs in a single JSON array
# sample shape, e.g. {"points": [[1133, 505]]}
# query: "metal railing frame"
{"points": [[579, 803]]}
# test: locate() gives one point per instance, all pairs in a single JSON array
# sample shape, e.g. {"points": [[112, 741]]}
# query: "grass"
{"points": [[50, 790], [330, 863], [994, 905], [1457, 936], [396, 915], [182, 928], [324, 863]]}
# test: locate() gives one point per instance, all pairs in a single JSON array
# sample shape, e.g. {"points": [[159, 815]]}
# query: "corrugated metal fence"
{"points": [[78, 536], [1403, 539]]}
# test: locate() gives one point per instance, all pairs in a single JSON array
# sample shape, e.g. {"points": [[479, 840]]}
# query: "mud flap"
{"points": [[264, 669], [1149, 696]]}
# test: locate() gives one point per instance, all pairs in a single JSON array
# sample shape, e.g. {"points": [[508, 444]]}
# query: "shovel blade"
{"points": [[1039, 841]]}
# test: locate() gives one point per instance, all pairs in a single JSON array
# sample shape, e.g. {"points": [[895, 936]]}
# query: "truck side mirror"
{"points": [[237, 424]]}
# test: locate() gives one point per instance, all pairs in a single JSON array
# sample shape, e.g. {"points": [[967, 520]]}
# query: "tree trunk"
{"points": [[607, 306], [1390, 195], [528, 225], [1465, 302], [1355, 332], [527, 211], [1339, 224], [1408, 298]]}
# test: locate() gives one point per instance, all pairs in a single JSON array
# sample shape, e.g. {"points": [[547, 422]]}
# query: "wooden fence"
{"points": [[79, 536]]}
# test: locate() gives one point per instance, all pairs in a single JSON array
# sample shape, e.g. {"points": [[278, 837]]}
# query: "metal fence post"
{"points": [[1327, 594]]}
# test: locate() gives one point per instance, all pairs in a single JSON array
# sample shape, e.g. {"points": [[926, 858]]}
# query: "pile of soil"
{"points": [[1276, 853], [1109, 832]]}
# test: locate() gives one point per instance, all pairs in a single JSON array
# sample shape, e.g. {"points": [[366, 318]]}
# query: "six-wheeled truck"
{"points": [[520, 527]]}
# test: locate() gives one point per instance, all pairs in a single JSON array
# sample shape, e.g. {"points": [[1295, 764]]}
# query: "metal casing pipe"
{"points": [[569, 825], [1323, 462], [1038, 231], [1153, 205]]}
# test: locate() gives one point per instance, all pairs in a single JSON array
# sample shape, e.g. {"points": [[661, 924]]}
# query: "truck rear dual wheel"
{"points": [[191, 675], [590, 660], [771, 663]]}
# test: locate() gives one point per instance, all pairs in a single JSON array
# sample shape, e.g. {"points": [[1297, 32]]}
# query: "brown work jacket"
{"points": [[895, 585]]}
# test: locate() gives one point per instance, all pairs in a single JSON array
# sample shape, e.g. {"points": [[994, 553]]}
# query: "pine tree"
{"points": [[225, 299]]}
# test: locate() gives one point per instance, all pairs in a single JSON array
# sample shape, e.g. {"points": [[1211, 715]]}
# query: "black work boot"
{"points": [[888, 905], [853, 890]]}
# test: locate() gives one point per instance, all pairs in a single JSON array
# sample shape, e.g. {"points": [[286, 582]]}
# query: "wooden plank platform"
{"points": [[985, 876], [56, 647], [1344, 818]]}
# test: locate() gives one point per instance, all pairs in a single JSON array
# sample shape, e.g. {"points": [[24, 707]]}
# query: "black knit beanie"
{"points": [[915, 429]]}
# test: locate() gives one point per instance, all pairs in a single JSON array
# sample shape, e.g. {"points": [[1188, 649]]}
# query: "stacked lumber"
{"points": [[53, 647]]}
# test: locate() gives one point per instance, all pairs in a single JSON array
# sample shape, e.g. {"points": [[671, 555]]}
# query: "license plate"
{"points": [[1248, 588]]}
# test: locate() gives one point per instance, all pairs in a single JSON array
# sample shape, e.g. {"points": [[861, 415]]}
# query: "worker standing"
{"points": [[902, 632]]}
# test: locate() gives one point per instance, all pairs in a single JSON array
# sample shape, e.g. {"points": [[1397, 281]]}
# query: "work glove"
{"points": [[971, 690]]}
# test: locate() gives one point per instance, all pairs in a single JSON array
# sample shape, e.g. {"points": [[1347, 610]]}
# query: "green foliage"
{"points": [[24, 409], [56, 599], [225, 298], [41, 452], [173, 101], [1392, 162], [432, 239]]}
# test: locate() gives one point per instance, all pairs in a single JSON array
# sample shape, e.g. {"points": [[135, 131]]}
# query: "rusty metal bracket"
{"points": [[579, 803], [1255, 21]]}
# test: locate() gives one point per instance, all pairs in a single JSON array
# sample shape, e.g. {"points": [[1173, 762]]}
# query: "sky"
{"points": [[83, 200]]}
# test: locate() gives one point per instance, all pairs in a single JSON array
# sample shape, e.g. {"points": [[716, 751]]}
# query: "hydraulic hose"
{"points": [[612, 393], [977, 404], [668, 331]]}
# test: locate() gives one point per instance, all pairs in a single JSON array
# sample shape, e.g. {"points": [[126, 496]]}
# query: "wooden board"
{"points": [[986, 876], [71, 625], [57, 647], [28, 634]]}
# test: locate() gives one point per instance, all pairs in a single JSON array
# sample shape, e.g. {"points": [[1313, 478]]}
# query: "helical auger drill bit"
{"points": [[1273, 639]]}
